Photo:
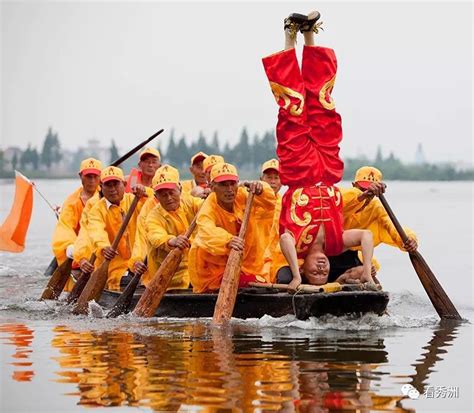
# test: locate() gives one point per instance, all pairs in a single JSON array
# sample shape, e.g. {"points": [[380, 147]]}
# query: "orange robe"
{"points": [[104, 223], [216, 227]]}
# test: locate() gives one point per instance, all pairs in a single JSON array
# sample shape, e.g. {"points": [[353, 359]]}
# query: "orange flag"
{"points": [[13, 230]]}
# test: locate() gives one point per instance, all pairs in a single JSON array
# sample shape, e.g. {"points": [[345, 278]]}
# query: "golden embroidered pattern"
{"points": [[325, 97], [300, 199], [285, 93]]}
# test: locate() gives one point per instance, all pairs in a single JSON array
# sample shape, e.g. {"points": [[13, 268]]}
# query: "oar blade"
{"points": [[440, 300], [122, 304], [58, 281], [151, 298], [228, 290], [78, 288], [93, 289]]}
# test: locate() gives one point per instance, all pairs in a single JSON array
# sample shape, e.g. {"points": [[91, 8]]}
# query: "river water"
{"points": [[55, 362]]}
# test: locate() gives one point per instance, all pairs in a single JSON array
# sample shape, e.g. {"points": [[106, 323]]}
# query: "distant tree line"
{"points": [[247, 154]]}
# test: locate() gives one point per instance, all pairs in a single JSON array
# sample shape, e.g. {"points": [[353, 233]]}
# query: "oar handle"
{"points": [[393, 218], [125, 222], [245, 219], [135, 149]]}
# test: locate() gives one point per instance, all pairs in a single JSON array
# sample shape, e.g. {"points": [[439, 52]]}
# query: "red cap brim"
{"points": [[364, 184], [90, 171], [223, 178], [198, 158], [111, 178], [271, 169], [169, 185]]}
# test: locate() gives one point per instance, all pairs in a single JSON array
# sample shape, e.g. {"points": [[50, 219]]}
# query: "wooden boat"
{"points": [[257, 302]]}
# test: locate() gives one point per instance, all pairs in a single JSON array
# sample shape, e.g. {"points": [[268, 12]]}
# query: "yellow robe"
{"points": [[161, 226], [188, 186], [140, 247], [104, 223], [216, 227], [68, 224], [372, 217]]}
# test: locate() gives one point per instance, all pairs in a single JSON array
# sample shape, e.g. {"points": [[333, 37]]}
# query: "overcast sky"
{"points": [[124, 70]]}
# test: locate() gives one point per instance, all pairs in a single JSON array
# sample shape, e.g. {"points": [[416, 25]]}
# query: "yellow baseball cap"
{"points": [[90, 166], [224, 172], [150, 151], [111, 173], [271, 164], [212, 160], [166, 177], [198, 157], [367, 175]]}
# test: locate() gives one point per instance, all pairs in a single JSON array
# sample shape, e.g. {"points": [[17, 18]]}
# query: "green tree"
{"points": [[114, 155], [14, 161], [182, 153], [2, 161], [171, 150], [51, 152], [215, 144]]}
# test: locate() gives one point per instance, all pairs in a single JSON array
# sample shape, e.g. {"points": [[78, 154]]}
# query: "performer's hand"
{"points": [[294, 284], [410, 245], [236, 243], [255, 187], [109, 253], [180, 242], [139, 268], [85, 266], [139, 190]]}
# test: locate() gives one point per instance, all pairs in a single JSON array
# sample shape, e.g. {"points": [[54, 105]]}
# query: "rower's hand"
{"points": [[255, 187], [109, 253], [373, 271], [410, 245], [236, 243], [85, 266], [200, 192], [376, 189], [180, 242], [139, 190], [139, 268]]}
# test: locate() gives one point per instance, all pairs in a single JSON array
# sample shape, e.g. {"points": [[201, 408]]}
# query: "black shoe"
{"points": [[294, 22], [311, 25]]}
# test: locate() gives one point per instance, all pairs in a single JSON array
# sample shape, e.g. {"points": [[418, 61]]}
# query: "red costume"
{"points": [[308, 133]]}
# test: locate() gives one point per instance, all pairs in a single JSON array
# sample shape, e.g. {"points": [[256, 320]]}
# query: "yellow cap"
{"points": [[198, 157], [111, 173], [367, 175], [165, 177], [224, 172], [271, 164], [90, 166], [211, 160], [150, 151]]}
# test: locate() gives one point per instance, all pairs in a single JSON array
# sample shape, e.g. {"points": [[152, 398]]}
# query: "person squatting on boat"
{"points": [[308, 136]]}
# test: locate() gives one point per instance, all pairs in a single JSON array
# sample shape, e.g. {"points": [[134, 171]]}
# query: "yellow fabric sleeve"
{"points": [[96, 226]]}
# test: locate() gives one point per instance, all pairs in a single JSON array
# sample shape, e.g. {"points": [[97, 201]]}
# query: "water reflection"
{"points": [[20, 336], [183, 366]]}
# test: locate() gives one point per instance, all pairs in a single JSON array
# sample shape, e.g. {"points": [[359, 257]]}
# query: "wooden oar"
{"points": [[440, 300], [306, 288], [80, 283], [151, 298], [122, 305], [57, 281], [96, 283], [230, 280], [53, 265]]}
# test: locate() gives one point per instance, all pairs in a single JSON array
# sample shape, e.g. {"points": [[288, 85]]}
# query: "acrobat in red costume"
{"points": [[308, 133]]}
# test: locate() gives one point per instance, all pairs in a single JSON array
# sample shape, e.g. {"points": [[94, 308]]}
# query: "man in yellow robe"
{"points": [[361, 210], [199, 176], [68, 225], [105, 219], [218, 226], [165, 226], [148, 164]]}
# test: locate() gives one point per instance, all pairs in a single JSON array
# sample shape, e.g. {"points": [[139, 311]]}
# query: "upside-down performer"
{"points": [[308, 133]]}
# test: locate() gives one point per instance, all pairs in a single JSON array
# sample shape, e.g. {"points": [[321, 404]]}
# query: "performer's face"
{"points": [[169, 198], [149, 164], [226, 191], [272, 178], [316, 268], [113, 191], [90, 182], [198, 172]]}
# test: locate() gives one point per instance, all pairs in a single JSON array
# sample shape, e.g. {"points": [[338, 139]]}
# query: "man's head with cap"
{"points": [[149, 162], [89, 171], [271, 174], [366, 176], [197, 168], [224, 182], [209, 162], [113, 184], [167, 187]]}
